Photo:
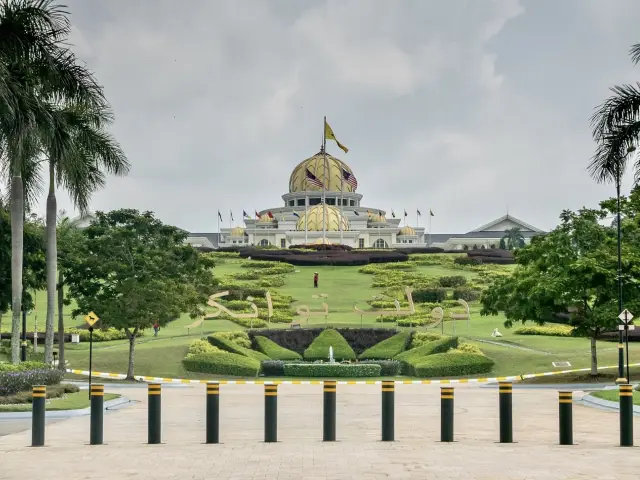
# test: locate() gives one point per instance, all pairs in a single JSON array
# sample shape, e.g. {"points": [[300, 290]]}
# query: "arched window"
{"points": [[380, 243], [264, 242]]}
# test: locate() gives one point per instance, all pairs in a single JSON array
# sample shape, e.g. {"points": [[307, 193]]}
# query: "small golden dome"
{"points": [[407, 231], [322, 241], [316, 165], [334, 219], [237, 232], [265, 218], [377, 218]]}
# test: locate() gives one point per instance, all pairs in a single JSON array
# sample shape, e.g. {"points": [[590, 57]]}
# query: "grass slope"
{"points": [[71, 401]]}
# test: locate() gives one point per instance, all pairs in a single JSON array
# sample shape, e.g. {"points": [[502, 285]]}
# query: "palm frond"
{"points": [[611, 155], [634, 52], [622, 107]]}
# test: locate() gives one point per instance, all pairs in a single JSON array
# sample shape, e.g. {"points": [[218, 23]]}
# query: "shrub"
{"points": [[201, 346], [332, 370], [239, 338], [410, 358], [106, 335], [272, 368], [467, 261], [246, 322], [421, 338], [388, 368], [435, 295], [319, 348], [273, 350], [222, 363], [53, 391], [453, 281], [453, 365], [388, 348], [414, 321], [467, 294], [14, 381], [467, 348], [22, 366], [548, 330], [233, 347]]}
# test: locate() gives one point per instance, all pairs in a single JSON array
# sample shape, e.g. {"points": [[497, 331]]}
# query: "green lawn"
{"points": [[71, 401], [614, 396]]}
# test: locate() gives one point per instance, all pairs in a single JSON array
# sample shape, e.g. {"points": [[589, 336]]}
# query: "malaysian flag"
{"points": [[311, 178], [350, 178]]}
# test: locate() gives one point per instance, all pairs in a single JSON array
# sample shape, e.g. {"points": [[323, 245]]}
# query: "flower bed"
{"points": [[22, 377], [332, 370]]}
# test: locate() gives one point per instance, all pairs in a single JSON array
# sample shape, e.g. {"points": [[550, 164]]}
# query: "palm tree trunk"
{"points": [[594, 358], [132, 345], [17, 244], [52, 263], [61, 361]]}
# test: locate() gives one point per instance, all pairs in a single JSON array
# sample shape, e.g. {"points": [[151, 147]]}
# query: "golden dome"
{"points": [[237, 232], [322, 241], [315, 215], [265, 218], [333, 180], [407, 231], [377, 218]]}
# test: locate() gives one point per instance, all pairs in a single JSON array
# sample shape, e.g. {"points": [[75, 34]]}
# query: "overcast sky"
{"points": [[467, 107]]}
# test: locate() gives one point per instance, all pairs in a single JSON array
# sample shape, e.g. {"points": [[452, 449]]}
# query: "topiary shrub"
{"points": [[467, 294], [388, 368], [272, 368], [425, 295], [319, 348], [202, 346], [453, 365], [335, 370], [222, 363], [547, 330], [467, 348], [388, 348], [273, 350], [421, 338], [229, 346], [410, 358], [239, 338], [453, 281]]}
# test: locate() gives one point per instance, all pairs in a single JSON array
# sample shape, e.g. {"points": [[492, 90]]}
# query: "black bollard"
{"points": [[388, 413], [271, 413], [97, 414], [38, 408], [565, 400], [446, 414], [155, 413], [626, 415], [506, 412], [329, 423], [213, 412]]}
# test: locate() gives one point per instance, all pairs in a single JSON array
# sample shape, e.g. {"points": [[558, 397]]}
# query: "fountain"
{"points": [[331, 360]]}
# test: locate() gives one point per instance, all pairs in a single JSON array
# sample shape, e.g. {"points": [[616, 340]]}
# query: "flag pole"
{"points": [[306, 219], [429, 244], [341, 208], [326, 177]]}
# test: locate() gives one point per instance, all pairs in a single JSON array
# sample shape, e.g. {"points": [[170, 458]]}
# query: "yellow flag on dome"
{"points": [[328, 135]]}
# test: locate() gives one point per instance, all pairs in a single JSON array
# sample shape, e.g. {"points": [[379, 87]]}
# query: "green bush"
{"points": [[389, 348], [239, 338], [548, 330], [453, 281], [414, 321], [274, 351], [410, 358], [233, 347], [435, 295], [388, 368], [53, 391], [467, 348], [22, 366], [222, 363], [467, 294], [334, 370], [245, 322], [319, 348], [22, 379], [200, 346], [272, 368], [106, 335], [453, 365], [421, 338]]}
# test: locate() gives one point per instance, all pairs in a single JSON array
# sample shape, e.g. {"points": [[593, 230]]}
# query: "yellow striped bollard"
{"points": [[154, 413], [626, 415], [329, 411], [446, 414], [271, 413], [213, 412], [96, 392], [565, 400], [388, 410], [38, 408], [505, 391]]}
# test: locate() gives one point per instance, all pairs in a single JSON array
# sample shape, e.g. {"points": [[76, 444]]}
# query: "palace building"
{"points": [[323, 206]]}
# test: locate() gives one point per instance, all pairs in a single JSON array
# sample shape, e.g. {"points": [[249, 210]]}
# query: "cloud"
{"points": [[464, 107]]}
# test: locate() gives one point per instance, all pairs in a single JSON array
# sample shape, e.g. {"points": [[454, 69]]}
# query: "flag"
{"points": [[257, 215], [356, 213], [270, 215], [350, 179], [419, 214], [219, 215], [231, 215], [296, 215], [393, 214], [328, 135], [405, 213], [245, 214], [431, 213], [380, 213], [311, 178]]}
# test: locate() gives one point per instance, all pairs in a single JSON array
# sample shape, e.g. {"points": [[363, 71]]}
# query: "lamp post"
{"points": [[621, 373]]}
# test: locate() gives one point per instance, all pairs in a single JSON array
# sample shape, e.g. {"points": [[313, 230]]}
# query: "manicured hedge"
{"points": [[330, 255], [410, 358], [21, 379], [388, 348], [453, 281], [319, 348], [229, 346], [549, 330], [388, 368], [222, 363], [238, 337], [419, 339], [427, 295], [466, 293], [273, 350], [272, 368], [453, 365], [332, 370]]}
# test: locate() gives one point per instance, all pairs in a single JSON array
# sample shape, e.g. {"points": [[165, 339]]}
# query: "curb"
{"points": [[59, 414], [594, 402]]}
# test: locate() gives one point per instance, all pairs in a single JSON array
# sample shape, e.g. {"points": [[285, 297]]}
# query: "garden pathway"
{"points": [[301, 455]]}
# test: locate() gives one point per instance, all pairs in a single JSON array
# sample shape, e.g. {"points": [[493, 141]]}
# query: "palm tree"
{"points": [[513, 238], [78, 150], [36, 68]]}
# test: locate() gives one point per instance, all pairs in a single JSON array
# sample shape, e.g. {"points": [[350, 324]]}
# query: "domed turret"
{"points": [[237, 232], [266, 219], [333, 179], [313, 219], [377, 218], [406, 231]]}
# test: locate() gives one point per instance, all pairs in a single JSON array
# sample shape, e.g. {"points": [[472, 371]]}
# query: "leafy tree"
{"points": [[512, 238], [503, 245], [37, 69], [569, 274], [132, 271]]}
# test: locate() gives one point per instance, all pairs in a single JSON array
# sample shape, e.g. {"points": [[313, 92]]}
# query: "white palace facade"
{"points": [[336, 214]]}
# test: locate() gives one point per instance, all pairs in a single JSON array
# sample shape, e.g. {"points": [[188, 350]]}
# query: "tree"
{"points": [[512, 238], [503, 245], [36, 70], [133, 271], [78, 149], [569, 273]]}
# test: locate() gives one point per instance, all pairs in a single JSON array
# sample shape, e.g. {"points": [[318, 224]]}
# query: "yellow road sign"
{"points": [[91, 318]]}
